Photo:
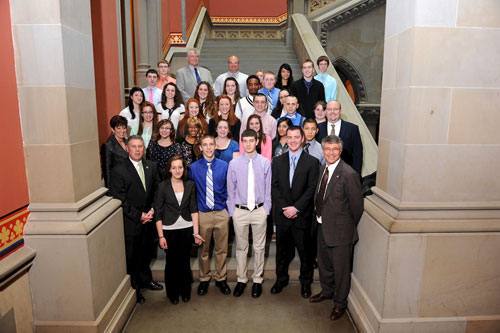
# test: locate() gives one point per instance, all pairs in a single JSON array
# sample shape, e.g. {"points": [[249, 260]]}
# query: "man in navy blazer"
{"points": [[352, 152], [134, 182]]}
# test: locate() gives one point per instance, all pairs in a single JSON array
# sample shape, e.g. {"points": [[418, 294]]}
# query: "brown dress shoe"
{"points": [[318, 298], [337, 313]]}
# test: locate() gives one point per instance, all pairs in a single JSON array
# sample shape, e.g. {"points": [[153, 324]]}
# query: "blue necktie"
{"points": [[198, 78], [292, 169]]}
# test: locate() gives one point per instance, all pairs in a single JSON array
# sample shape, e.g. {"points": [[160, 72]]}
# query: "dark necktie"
{"points": [[198, 78], [321, 194]]}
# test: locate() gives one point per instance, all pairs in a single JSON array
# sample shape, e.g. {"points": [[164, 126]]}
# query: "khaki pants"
{"points": [[258, 220], [215, 223]]}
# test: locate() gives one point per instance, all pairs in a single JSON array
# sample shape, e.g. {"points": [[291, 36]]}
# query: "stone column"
{"points": [[141, 43], [427, 259], [78, 279]]}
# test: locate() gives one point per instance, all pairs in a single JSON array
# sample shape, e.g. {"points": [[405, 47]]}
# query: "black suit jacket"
{"points": [[167, 208], [300, 195], [126, 186], [112, 154], [352, 152], [342, 206], [307, 98]]}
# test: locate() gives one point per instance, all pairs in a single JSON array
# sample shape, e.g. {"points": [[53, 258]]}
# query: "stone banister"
{"points": [[307, 45]]}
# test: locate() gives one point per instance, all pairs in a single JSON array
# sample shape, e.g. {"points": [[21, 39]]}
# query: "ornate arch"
{"points": [[346, 72]]}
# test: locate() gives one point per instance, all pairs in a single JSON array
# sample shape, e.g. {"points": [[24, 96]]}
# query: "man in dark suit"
{"points": [[352, 152], [190, 76], [338, 208], [294, 177], [134, 182], [308, 90]]}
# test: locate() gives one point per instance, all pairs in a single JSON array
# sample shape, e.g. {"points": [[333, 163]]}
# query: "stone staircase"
{"points": [[265, 54], [158, 265]]}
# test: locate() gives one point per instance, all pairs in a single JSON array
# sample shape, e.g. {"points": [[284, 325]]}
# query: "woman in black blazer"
{"points": [[114, 150], [176, 216]]}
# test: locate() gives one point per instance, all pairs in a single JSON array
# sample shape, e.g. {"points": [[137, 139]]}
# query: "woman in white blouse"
{"points": [[171, 106], [133, 110]]}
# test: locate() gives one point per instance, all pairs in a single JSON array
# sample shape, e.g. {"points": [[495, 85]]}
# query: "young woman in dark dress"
{"points": [[163, 147]]}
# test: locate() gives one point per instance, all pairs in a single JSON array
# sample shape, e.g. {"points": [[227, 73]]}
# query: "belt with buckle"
{"points": [[246, 208]]}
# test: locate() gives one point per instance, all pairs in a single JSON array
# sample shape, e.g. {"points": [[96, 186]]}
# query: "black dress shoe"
{"points": [[174, 301], [203, 288], [239, 289], [305, 290], [186, 299], [337, 313], [278, 287], [139, 298], [256, 290], [154, 286], [224, 288], [318, 298]]}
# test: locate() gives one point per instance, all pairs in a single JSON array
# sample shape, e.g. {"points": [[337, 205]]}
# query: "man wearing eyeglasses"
{"points": [[352, 152], [338, 202]]}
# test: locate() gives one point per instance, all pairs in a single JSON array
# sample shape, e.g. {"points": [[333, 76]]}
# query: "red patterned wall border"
{"points": [[225, 20], [11, 231]]}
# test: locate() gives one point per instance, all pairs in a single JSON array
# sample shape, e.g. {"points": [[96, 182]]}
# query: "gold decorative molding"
{"points": [[249, 20], [11, 232], [247, 34]]}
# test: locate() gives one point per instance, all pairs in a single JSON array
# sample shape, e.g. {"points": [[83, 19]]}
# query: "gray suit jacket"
{"points": [[342, 206], [186, 81]]}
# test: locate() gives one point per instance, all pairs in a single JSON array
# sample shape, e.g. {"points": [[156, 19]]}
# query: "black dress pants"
{"points": [[287, 239], [138, 257], [178, 275]]}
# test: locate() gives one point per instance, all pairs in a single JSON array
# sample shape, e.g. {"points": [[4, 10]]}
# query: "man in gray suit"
{"points": [[338, 208], [190, 76]]}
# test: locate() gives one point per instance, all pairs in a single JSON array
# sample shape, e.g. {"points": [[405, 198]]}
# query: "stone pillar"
{"points": [[141, 43], [78, 279], [427, 259]]}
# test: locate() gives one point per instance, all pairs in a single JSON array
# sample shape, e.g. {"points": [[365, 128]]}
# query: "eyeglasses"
{"points": [[166, 128], [147, 112]]}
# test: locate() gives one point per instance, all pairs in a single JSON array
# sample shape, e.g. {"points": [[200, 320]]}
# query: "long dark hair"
{"points": [[131, 103], [281, 120], [177, 98], [279, 84], [237, 95], [210, 107]]}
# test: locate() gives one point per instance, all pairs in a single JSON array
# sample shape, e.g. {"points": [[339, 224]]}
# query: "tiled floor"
{"points": [[215, 312]]}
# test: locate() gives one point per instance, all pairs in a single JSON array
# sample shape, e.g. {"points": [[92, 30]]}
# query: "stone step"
{"points": [[268, 55], [158, 265]]}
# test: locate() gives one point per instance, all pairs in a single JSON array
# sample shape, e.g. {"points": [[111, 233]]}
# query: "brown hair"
{"points": [[210, 104], [155, 120], [168, 174], [172, 131], [260, 133]]}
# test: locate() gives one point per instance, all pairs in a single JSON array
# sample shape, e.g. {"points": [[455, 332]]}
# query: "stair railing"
{"points": [[307, 45]]}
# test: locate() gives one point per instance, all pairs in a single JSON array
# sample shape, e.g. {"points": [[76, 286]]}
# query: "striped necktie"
{"points": [[270, 99], [210, 188]]}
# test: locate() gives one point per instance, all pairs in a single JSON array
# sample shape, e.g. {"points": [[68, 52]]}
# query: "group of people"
{"points": [[243, 148]]}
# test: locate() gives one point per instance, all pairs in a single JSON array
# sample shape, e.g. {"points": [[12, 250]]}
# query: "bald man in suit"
{"points": [[338, 208]]}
